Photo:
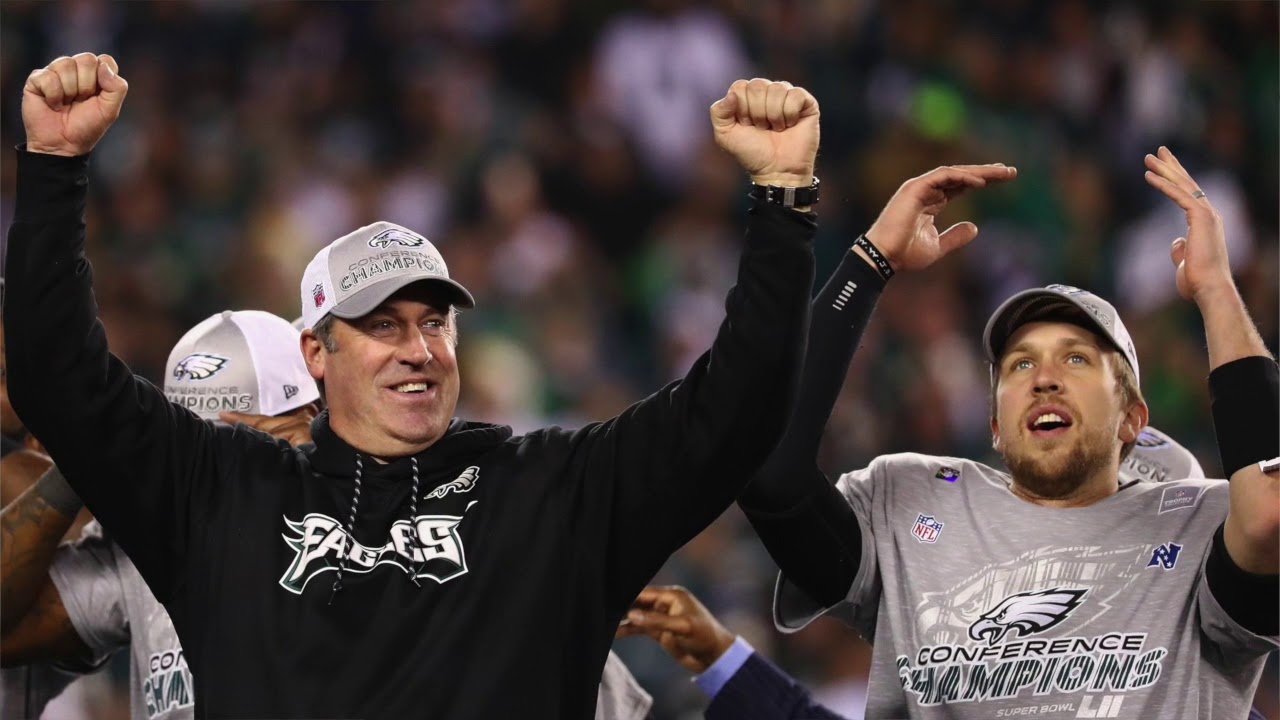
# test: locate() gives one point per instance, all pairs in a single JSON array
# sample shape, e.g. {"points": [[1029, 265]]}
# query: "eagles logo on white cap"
{"points": [[358, 271], [1058, 302], [246, 362]]}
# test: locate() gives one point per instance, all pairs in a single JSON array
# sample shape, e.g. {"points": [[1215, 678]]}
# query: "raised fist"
{"points": [[771, 128], [68, 106]]}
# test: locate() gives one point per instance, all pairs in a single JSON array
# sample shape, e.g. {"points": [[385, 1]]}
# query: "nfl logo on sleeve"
{"points": [[926, 529]]}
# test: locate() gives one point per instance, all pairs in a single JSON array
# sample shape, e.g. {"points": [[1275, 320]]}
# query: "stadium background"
{"points": [[559, 154]]}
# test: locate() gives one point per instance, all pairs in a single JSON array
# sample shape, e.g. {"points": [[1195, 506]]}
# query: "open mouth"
{"points": [[1049, 421]]}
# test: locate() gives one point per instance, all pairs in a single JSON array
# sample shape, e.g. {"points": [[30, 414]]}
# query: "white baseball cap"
{"points": [[247, 361], [1058, 302], [357, 272], [1159, 458]]}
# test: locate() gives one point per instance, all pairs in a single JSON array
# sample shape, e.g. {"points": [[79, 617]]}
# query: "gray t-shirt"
{"points": [[982, 605], [621, 697], [111, 608], [26, 690]]}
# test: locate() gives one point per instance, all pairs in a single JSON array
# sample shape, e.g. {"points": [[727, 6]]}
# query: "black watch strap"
{"points": [[787, 197]]}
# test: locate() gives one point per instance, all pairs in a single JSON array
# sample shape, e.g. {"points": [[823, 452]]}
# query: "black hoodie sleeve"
{"points": [[660, 472], [805, 523], [133, 458]]}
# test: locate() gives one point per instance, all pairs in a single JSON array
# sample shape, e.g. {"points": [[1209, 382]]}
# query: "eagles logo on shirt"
{"points": [[1004, 634], [1027, 612], [320, 541]]}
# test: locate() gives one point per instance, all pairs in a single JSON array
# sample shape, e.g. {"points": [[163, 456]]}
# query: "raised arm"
{"points": [[806, 524], [1245, 560], [667, 466], [129, 454]]}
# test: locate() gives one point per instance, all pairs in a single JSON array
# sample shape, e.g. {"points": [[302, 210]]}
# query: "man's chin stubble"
{"points": [[1054, 480]]}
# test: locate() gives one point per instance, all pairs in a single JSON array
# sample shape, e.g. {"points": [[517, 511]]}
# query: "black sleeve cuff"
{"points": [[1249, 599], [1245, 401], [47, 184], [768, 223]]}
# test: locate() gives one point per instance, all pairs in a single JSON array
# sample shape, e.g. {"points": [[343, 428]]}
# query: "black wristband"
{"points": [[1249, 599], [1245, 397], [877, 257]]}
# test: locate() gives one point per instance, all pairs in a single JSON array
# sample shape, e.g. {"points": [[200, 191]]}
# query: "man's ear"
{"points": [[314, 354], [1134, 420]]}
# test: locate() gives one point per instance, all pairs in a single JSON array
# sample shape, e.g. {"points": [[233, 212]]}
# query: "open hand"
{"points": [[905, 232], [1200, 257]]}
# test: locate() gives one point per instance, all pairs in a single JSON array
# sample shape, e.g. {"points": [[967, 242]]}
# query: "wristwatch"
{"points": [[787, 197]]}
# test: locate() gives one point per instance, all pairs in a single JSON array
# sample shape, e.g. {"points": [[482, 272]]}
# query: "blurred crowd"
{"points": [[560, 156]]}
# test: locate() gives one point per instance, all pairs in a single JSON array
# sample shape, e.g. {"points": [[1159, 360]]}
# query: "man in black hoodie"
{"points": [[408, 564]]}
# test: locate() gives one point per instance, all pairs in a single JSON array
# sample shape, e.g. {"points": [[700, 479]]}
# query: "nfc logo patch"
{"points": [[1165, 556]]}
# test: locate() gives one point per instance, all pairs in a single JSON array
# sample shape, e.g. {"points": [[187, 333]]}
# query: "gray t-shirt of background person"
{"points": [[111, 607], [982, 605]]}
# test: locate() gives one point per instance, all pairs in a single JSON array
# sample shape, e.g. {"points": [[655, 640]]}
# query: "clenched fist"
{"points": [[68, 106], [771, 128]]}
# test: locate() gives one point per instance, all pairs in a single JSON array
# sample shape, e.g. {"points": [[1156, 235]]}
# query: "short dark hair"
{"points": [[324, 332]]}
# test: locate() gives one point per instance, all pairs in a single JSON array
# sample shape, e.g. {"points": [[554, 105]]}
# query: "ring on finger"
{"points": [[1197, 194]]}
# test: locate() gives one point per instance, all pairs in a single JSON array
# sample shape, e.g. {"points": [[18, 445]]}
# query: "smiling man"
{"points": [[407, 563], [1060, 588]]}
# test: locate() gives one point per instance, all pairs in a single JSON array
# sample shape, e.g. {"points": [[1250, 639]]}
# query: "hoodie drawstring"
{"points": [[351, 526], [413, 520], [351, 530]]}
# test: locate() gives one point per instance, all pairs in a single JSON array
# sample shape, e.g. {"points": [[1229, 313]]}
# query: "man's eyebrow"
{"points": [[1066, 342]]}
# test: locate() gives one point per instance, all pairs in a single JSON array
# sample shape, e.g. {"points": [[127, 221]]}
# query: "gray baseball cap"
{"points": [[1062, 303], [357, 272]]}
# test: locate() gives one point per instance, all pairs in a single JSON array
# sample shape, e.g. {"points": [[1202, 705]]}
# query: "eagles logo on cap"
{"points": [[397, 236], [199, 366]]}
